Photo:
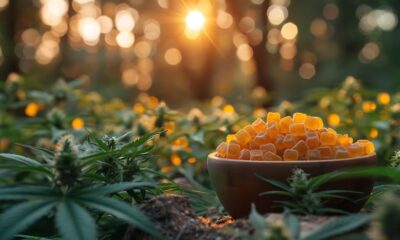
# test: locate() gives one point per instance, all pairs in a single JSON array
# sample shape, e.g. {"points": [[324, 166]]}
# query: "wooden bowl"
{"points": [[237, 186]]}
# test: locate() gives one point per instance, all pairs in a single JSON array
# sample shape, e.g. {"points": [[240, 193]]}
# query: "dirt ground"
{"points": [[175, 218]]}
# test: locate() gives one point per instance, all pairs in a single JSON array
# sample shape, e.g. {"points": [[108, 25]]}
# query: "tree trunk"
{"points": [[198, 56], [8, 18], [260, 54]]}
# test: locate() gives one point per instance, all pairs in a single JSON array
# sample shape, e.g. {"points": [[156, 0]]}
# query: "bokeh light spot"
{"points": [[307, 71], [369, 52], [289, 31], [334, 119], [368, 106], [32, 109], [224, 20], [78, 123], [383, 98], [3, 4], [374, 133], [277, 14], [130, 77], [244, 52], [173, 56], [125, 39], [89, 29]]}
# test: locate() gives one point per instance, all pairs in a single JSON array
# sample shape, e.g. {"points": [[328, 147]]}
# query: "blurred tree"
{"points": [[261, 56], [231, 46]]}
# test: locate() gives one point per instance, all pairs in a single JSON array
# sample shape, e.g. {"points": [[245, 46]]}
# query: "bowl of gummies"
{"points": [[273, 148]]}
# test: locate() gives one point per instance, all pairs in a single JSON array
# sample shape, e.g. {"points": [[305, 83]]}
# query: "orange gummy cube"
{"points": [[244, 154], [299, 117], [221, 149], [297, 129], [289, 141], [233, 151], [250, 130], [290, 155], [339, 148], [273, 117], [301, 147], [312, 141], [367, 145], [314, 123], [325, 152], [272, 130], [261, 138], [269, 156], [279, 142], [355, 150], [344, 139], [256, 155], [331, 130], [313, 154], [269, 147], [230, 137], [322, 130], [312, 133], [253, 145], [328, 139], [259, 125], [243, 137], [341, 153], [284, 124], [291, 138]]}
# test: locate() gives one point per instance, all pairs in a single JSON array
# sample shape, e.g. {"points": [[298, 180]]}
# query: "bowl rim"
{"points": [[230, 160]]}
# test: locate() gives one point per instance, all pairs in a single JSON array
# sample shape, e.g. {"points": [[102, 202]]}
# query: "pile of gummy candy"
{"points": [[297, 137]]}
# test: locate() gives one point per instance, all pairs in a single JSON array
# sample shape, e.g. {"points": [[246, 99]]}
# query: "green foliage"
{"points": [[75, 222], [190, 135], [339, 226], [65, 184], [293, 223], [103, 169], [66, 167], [395, 160], [277, 230], [360, 113], [289, 227], [386, 217], [21, 216], [304, 194]]}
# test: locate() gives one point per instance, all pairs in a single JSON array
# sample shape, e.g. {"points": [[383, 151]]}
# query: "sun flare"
{"points": [[195, 20]]}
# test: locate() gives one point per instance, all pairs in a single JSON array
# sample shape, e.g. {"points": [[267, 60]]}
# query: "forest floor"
{"points": [[176, 219]]}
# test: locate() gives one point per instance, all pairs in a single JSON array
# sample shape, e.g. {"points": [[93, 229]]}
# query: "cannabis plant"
{"points": [[289, 227], [304, 195], [69, 187]]}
